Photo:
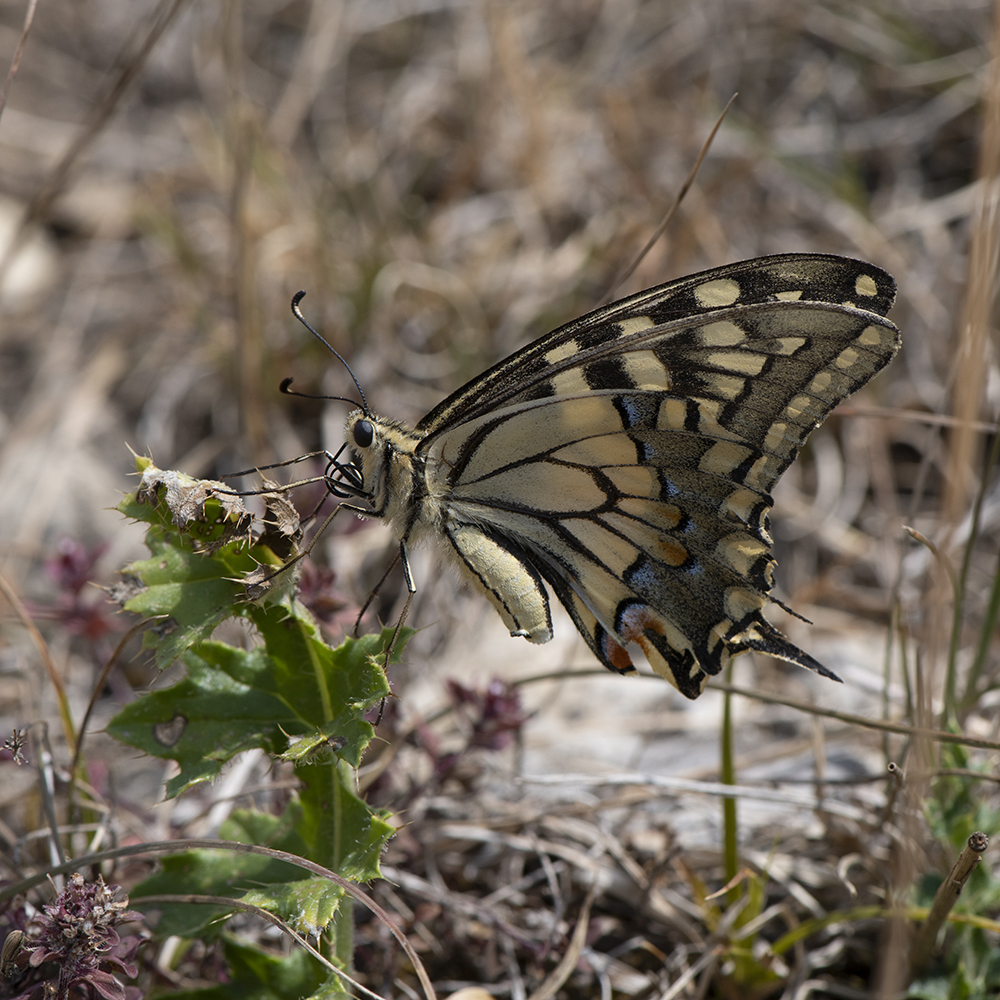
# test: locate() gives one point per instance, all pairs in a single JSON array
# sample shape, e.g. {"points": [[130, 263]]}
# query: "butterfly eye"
{"points": [[364, 433]]}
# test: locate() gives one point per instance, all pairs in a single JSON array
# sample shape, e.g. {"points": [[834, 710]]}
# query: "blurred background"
{"points": [[447, 181]]}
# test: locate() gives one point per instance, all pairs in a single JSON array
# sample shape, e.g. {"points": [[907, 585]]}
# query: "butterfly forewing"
{"points": [[627, 458], [697, 298]]}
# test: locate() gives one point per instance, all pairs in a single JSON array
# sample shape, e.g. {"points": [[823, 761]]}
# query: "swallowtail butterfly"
{"points": [[626, 460]]}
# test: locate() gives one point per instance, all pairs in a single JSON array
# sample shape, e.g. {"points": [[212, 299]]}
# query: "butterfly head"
{"points": [[381, 470]]}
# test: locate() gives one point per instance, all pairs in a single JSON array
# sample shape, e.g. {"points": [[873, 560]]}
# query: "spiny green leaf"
{"points": [[197, 592], [307, 905], [200, 551], [323, 686], [341, 831], [319, 747], [204, 720], [233, 700], [222, 873]]}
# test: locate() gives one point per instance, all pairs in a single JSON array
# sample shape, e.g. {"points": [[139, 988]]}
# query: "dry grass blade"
{"points": [[567, 963], [138, 627], [883, 725], [945, 898], [711, 788], [259, 911], [665, 221], [44, 654], [913, 416], [29, 17], [980, 301], [704, 961], [194, 844], [456, 901], [58, 177]]}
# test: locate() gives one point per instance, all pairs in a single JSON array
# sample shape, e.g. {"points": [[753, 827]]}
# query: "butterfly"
{"points": [[625, 461]]}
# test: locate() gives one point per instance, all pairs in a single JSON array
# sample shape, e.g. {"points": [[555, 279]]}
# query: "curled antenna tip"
{"points": [[285, 383], [296, 299]]}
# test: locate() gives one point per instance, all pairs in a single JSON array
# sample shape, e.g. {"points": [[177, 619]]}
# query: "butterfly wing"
{"points": [[534, 371], [627, 458]]}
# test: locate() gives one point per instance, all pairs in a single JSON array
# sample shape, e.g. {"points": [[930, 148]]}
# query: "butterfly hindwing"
{"points": [[627, 458]]}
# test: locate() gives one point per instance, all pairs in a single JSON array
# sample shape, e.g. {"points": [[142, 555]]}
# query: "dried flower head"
{"points": [[77, 931], [15, 745]]}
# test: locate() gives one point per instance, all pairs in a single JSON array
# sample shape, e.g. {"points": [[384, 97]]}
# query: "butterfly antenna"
{"points": [[296, 299], [662, 227]]}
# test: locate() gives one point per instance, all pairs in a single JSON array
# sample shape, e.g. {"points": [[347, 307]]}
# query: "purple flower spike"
{"points": [[77, 931]]}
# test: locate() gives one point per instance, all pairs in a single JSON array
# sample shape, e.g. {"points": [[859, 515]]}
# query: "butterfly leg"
{"points": [[412, 588], [258, 583], [374, 593]]}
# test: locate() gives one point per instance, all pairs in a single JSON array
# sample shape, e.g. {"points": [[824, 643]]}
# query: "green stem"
{"points": [[344, 776], [971, 694], [343, 935], [950, 714], [728, 776]]}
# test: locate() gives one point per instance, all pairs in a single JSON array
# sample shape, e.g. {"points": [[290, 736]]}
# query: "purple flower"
{"points": [[494, 714], [77, 931], [72, 567], [79, 607]]}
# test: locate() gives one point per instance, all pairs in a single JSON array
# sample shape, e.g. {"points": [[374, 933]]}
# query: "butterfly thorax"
{"points": [[393, 476]]}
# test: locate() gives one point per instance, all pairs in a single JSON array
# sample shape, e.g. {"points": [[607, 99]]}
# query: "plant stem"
{"points": [[728, 777]]}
